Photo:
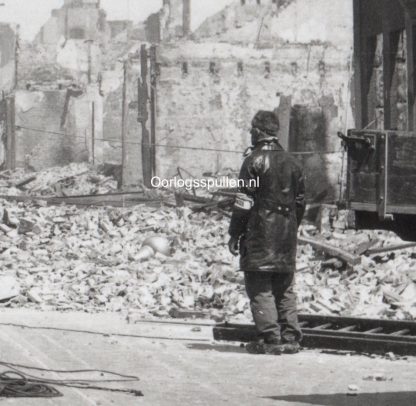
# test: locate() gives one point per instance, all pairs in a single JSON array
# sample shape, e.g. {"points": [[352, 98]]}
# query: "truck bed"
{"points": [[381, 172]]}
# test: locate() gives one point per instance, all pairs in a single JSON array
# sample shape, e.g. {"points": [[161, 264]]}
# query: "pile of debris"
{"points": [[69, 258], [381, 286], [74, 179], [65, 258]]}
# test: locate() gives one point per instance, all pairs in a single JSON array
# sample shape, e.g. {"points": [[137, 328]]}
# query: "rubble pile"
{"points": [[69, 258], [65, 258], [71, 180], [382, 285]]}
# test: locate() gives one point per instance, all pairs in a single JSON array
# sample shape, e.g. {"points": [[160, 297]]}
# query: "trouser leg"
{"points": [[263, 305], [285, 296]]}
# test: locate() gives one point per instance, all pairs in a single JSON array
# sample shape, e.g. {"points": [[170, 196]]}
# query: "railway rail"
{"points": [[341, 333]]}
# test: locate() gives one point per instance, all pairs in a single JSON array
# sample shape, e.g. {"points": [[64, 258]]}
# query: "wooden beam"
{"points": [[391, 248], [358, 62], [16, 60], [143, 98], [10, 133], [154, 73], [93, 132], [336, 252], [283, 112], [411, 66], [25, 181], [110, 199], [382, 185], [388, 67]]}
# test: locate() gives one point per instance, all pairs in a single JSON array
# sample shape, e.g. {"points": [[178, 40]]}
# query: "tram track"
{"points": [[341, 333]]}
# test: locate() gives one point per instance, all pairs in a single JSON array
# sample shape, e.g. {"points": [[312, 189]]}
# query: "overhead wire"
{"points": [[170, 146]]}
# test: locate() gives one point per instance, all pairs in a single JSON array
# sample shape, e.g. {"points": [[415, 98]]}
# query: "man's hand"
{"points": [[233, 245]]}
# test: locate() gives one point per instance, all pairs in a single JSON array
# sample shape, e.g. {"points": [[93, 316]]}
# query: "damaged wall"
{"points": [[60, 57], [69, 46], [209, 89], [67, 53], [54, 130], [8, 43], [112, 87], [41, 145], [7, 57], [80, 20], [282, 21], [173, 21]]}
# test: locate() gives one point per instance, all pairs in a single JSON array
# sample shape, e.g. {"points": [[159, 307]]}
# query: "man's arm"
{"points": [[240, 215]]}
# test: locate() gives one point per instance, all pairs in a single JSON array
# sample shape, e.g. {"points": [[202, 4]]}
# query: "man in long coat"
{"points": [[263, 230]]}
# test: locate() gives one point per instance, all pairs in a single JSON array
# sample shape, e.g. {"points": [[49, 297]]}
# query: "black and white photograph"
{"points": [[208, 202]]}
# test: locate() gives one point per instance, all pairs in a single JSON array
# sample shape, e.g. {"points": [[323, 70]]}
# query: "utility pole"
{"points": [[89, 56], [11, 132], [143, 116], [16, 58], [154, 73], [93, 132], [124, 118]]}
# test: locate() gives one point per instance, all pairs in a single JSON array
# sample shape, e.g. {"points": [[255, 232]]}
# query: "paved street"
{"points": [[178, 366]]}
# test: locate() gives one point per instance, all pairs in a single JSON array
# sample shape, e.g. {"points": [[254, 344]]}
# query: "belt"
{"points": [[275, 206]]}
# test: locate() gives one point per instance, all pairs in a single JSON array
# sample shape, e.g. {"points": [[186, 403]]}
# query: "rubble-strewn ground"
{"points": [[70, 180], [68, 258], [382, 286]]}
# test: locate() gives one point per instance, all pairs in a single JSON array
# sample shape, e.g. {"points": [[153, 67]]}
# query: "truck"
{"points": [[381, 151]]}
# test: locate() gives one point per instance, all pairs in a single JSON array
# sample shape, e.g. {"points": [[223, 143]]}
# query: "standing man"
{"points": [[263, 230]]}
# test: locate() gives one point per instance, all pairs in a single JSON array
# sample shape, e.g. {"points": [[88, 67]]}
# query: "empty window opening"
{"points": [[240, 68], [77, 33], [267, 68], [185, 68]]}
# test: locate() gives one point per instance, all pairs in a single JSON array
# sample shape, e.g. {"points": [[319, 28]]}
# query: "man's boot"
{"points": [[256, 347], [265, 344], [272, 345], [292, 347]]}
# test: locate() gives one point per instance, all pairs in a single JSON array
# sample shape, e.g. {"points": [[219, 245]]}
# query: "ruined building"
{"points": [[77, 19], [7, 56], [173, 21], [252, 55], [202, 87], [8, 69]]}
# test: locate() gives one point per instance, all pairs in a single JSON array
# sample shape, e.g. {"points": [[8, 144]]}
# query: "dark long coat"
{"points": [[268, 231]]}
